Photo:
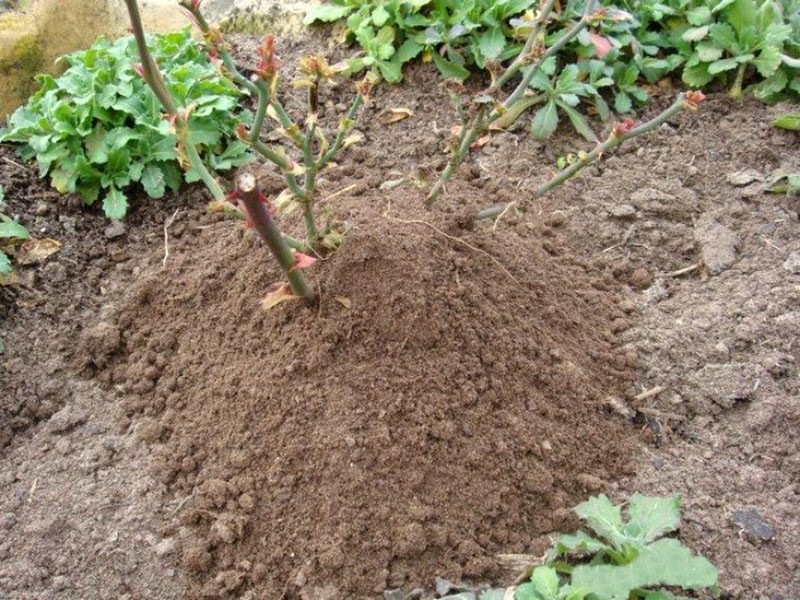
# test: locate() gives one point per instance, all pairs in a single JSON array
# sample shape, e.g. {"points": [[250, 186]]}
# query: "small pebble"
{"points": [[115, 230]]}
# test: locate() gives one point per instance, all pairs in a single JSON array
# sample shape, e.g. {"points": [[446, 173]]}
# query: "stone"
{"points": [[622, 211], [258, 17], [744, 177], [754, 528], [792, 263], [717, 244], [115, 230]]}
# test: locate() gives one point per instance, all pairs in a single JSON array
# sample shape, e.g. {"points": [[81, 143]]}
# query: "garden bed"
{"points": [[454, 392]]}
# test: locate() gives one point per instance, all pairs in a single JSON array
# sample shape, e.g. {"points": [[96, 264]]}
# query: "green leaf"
{"points": [[153, 182], [545, 122], [449, 69], [768, 61], [708, 52], [742, 13], [699, 15], [622, 103], [11, 229], [545, 582], [790, 121], [719, 66], [380, 16], [327, 13], [5, 268], [665, 562], [724, 36], [390, 70], [115, 204], [652, 517], [492, 43], [695, 34], [697, 76], [407, 51], [603, 517], [579, 123]]}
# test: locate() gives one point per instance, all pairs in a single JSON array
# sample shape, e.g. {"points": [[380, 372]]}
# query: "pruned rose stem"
{"points": [[258, 213], [618, 136], [528, 61]]}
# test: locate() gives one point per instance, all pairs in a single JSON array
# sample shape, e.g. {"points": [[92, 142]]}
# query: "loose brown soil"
{"points": [[452, 394]]}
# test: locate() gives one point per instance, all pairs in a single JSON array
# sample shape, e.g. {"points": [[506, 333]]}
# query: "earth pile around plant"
{"points": [[443, 403]]}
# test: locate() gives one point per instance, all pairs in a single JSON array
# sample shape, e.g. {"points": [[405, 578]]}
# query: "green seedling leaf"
{"points": [[10, 229], [650, 518], [115, 204], [449, 69], [153, 181], [492, 43], [5, 269], [665, 562], [545, 122], [791, 121], [603, 517]]}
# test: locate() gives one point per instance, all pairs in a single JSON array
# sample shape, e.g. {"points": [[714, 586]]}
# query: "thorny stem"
{"points": [[339, 140], [467, 138], [247, 192], [616, 139], [522, 57], [289, 126], [480, 124]]}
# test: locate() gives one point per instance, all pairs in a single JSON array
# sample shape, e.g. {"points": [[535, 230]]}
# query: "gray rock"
{"points": [[115, 230], [740, 178], [622, 211], [754, 528], [792, 263], [166, 546], [717, 244]]}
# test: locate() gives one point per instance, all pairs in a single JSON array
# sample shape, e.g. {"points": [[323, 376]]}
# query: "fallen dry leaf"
{"points": [[344, 301], [35, 251], [393, 115], [283, 293]]}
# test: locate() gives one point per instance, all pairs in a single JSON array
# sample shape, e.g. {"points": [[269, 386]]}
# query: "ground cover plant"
{"points": [[534, 65], [98, 129], [634, 45]]}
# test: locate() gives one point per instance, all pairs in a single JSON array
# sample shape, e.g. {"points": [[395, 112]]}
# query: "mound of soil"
{"points": [[441, 404]]}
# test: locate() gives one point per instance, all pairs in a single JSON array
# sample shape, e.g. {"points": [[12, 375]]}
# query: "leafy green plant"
{"points": [[10, 230], [493, 108], [736, 35], [454, 34], [625, 558], [99, 129], [315, 148]]}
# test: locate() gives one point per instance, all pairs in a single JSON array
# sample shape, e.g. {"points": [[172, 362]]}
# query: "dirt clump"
{"points": [[440, 405]]}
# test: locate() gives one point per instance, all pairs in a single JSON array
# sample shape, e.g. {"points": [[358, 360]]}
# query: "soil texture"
{"points": [[454, 391]]}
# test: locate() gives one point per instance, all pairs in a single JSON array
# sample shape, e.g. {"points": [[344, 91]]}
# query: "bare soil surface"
{"points": [[453, 393]]}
